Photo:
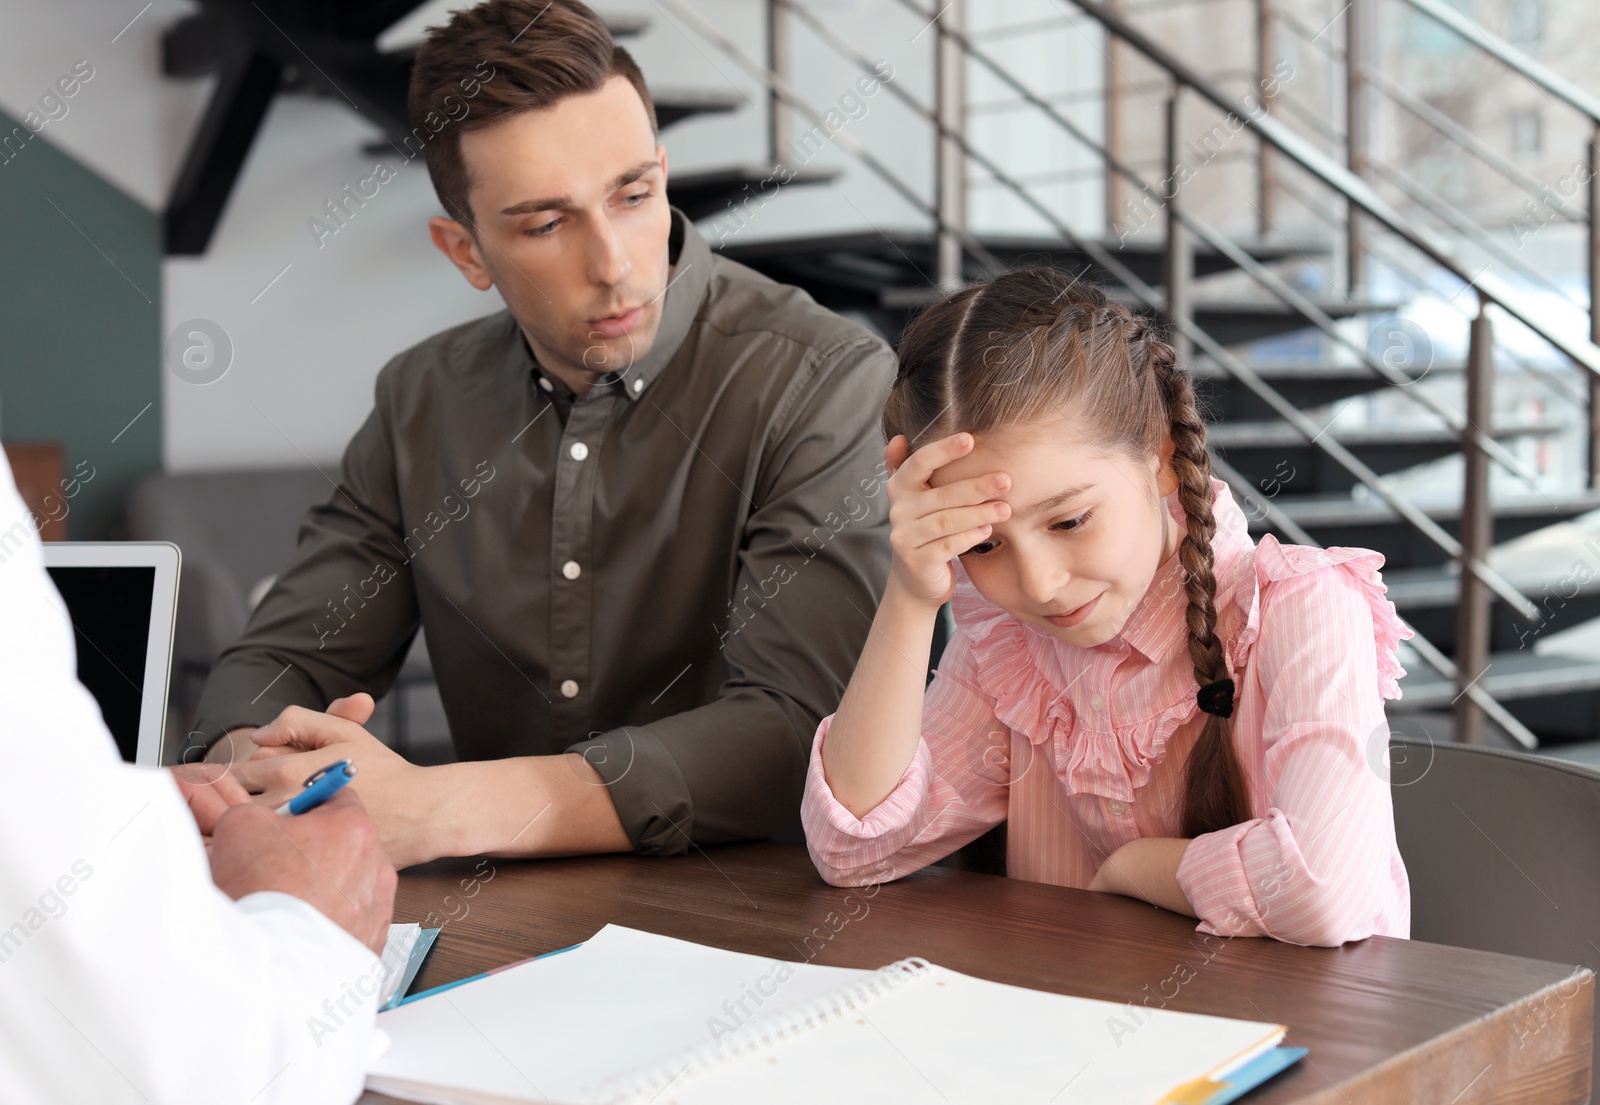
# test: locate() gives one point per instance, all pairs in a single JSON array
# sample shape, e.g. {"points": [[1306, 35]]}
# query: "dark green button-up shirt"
{"points": [[672, 574]]}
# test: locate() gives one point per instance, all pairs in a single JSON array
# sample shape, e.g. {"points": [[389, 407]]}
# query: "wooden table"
{"points": [[1386, 1020]]}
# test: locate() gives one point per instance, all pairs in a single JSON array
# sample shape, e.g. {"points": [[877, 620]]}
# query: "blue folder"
{"points": [[1255, 1072]]}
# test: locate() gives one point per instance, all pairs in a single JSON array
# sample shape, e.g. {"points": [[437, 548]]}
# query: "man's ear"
{"points": [[661, 159], [1166, 478], [457, 243]]}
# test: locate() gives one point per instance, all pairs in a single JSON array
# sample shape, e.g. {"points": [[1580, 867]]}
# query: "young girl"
{"points": [[1155, 706]]}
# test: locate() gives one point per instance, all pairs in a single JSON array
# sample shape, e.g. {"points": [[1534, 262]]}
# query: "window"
{"points": [[1525, 23], [1527, 137]]}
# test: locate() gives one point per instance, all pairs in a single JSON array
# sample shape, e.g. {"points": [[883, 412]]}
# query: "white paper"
{"points": [[949, 1039], [558, 1028]]}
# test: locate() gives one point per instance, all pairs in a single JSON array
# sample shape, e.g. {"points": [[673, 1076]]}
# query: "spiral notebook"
{"points": [[629, 1017]]}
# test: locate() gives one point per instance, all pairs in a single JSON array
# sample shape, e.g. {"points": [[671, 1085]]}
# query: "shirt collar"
{"points": [[1158, 625], [690, 257]]}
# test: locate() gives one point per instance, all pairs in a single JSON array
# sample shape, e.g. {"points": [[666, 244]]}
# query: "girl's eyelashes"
{"points": [[1067, 525], [1073, 525]]}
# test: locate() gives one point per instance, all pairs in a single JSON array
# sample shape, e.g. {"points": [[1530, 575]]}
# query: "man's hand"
{"points": [[236, 746], [329, 857], [210, 789], [526, 806], [299, 742]]}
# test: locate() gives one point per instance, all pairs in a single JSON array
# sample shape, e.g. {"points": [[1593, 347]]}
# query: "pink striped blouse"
{"points": [[1081, 750]]}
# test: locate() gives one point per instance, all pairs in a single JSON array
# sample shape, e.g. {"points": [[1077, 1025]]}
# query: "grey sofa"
{"points": [[237, 529]]}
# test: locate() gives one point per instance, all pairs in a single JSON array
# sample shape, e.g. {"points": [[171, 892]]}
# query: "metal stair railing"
{"points": [[782, 90], [1314, 435], [1152, 299], [1471, 143], [1279, 288], [1476, 525], [1458, 220], [1471, 691], [1340, 179], [1550, 84], [1513, 58], [1418, 282]]}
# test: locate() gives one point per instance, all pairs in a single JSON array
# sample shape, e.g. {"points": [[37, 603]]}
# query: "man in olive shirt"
{"points": [[639, 512]]}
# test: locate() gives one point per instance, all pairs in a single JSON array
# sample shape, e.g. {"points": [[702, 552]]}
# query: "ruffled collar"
{"points": [[1028, 672]]}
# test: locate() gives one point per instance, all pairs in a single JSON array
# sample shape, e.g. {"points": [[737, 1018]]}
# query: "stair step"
{"points": [[1371, 524], [1305, 386], [1412, 589], [1511, 675], [1232, 320], [623, 25], [882, 277], [904, 257], [405, 34], [1274, 455], [708, 192], [1237, 320], [673, 105], [1567, 594]]}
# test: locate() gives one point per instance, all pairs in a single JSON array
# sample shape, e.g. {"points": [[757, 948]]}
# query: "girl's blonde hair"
{"points": [[1036, 342]]}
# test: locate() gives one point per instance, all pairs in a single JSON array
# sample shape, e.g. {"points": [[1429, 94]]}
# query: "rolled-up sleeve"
{"points": [[954, 789], [1316, 867], [816, 549]]}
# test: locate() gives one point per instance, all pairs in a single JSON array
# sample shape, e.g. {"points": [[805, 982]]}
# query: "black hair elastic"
{"points": [[1216, 698]]}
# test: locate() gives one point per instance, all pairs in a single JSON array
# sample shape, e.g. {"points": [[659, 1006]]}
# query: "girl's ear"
{"points": [[1166, 478]]}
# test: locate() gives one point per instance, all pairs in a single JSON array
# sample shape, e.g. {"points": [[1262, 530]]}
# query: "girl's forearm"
{"points": [[1147, 868], [874, 733]]}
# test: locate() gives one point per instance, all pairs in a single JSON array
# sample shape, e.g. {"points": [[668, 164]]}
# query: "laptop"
{"points": [[122, 597]]}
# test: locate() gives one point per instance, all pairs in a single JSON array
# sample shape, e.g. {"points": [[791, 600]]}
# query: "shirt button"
{"points": [[1117, 808], [1097, 702], [569, 688], [544, 383], [570, 569], [638, 386], [579, 450]]}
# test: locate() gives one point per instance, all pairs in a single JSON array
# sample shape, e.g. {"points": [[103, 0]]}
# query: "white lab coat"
{"points": [[125, 974]]}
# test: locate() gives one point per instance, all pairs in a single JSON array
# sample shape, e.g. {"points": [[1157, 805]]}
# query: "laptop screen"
{"points": [[110, 610]]}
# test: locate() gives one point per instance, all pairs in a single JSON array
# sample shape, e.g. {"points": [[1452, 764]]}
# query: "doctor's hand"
{"points": [[329, 857], [210, 790], [300, 742]]}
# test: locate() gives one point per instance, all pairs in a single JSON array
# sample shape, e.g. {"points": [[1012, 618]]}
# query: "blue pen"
{"points": [[320, 787]]}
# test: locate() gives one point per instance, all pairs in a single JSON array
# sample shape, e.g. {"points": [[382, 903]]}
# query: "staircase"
{"points": [[1284, 257], [1323, 478], [259, 49]]}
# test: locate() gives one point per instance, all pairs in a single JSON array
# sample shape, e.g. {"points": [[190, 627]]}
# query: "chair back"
{"points": [[1503, 852]]}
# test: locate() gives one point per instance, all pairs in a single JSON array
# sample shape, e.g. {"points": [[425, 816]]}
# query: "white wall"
{"points": [[126, 122], [306, 349]]}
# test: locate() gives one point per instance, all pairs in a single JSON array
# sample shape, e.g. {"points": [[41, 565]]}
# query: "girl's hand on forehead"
{"points": [[929, 525]]}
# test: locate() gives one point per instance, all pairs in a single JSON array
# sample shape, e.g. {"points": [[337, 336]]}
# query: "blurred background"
{"points": [[1369, 225]]}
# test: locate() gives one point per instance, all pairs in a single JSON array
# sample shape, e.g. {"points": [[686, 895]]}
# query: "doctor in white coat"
{"points": [[140, 912]]}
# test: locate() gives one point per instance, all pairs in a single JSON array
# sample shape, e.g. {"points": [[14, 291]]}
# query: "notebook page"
{"points": [[396, 954], [555, 1029], [949, 1039]]}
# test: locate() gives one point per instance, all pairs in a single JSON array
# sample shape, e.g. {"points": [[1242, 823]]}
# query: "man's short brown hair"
{"points": [[499, 59]]}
